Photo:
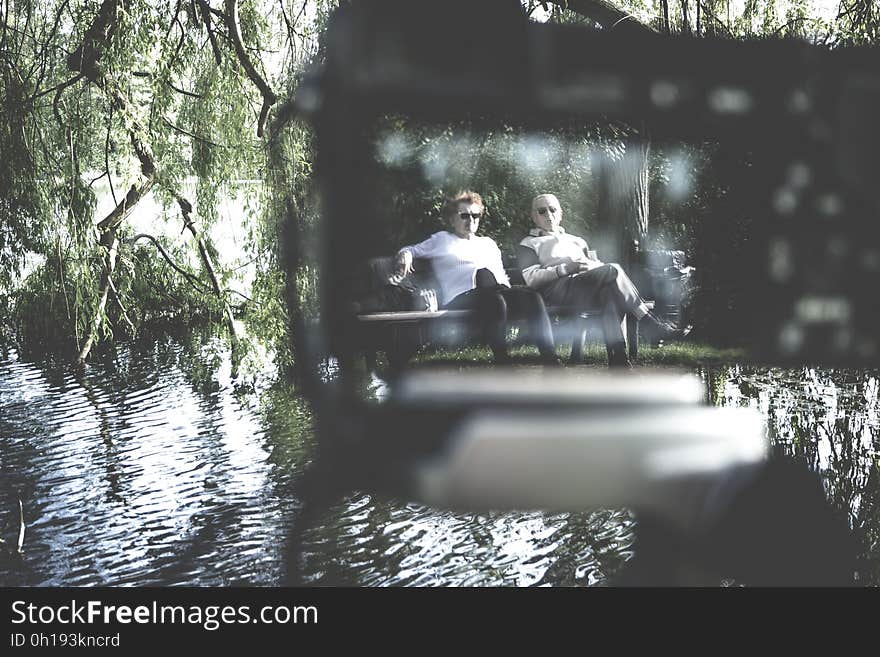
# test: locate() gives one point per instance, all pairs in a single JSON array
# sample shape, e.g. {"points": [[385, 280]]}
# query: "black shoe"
{"points": [[671, 332], [551, 359], [617, 358], [501, 358], [668, 330]]}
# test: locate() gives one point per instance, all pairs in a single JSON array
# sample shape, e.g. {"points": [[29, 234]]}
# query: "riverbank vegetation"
{"points": [[170, 109]]}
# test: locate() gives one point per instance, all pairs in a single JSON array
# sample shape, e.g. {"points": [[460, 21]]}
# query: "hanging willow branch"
{"points": [[194, 281], [205, 10], [86, 60], [269, 97]]}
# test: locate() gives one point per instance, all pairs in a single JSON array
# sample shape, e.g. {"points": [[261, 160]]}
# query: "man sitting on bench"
{"points": [[556, 264]]}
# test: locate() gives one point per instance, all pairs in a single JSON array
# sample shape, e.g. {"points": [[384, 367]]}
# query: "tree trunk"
{"points": [[109, 243], [622, 208], [622, 203], [665, 5], [605, 14], [685, 20], [86, 59], [207, 263]]}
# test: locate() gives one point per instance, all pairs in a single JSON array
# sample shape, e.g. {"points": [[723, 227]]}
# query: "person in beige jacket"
{"points": [[559, 266]]}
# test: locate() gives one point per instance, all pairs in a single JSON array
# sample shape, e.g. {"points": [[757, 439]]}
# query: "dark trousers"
{"points": [[494, 304]]}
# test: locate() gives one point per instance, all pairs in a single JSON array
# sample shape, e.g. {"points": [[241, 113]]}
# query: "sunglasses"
{"points": [[470, 215], [543, 211]]}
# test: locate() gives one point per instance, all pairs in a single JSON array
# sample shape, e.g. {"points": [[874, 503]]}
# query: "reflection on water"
{"points": [[154, 468], [828, 418], [149, 469]]}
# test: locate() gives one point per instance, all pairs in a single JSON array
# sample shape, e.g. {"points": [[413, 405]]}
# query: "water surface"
{"points": [[157, 467]]}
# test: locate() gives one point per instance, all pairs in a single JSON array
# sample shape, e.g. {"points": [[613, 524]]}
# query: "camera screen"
{"points": [[588, 224]]}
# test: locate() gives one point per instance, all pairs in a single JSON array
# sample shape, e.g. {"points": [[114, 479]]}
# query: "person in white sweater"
{"points": [[558, 266], [471, 276]]}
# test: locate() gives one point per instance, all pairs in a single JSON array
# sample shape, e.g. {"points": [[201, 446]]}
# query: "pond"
{"points": [[156, 467]]}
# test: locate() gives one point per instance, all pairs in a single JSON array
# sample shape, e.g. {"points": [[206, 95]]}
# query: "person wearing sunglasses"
{"points": [[471, 276], [558, 266]]}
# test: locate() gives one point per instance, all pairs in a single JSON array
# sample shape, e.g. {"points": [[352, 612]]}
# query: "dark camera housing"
{"points": [[802, 118]]}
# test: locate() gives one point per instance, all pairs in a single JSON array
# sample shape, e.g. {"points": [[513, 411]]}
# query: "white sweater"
{"points": [[456, 260]]}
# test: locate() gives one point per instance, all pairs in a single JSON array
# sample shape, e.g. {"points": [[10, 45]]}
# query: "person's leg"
{"points": [[612, 327], [627, 295], [491, 310], [630, 299], [528, 304], [597, 288]]}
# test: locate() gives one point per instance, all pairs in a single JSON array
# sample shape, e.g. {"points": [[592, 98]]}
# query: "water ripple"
{"points": [[150, 470]]}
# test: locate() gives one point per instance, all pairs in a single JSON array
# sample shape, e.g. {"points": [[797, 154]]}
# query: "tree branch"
{"points": [[135, 193], [797, 19], [181, 131], [269, 97], [107, 155], [186, 211], [58, 87], [205, 10], [193, 280], [118, 299], [86, 57], [51, 36], [605, 14], [715, 18], [184, 91]]}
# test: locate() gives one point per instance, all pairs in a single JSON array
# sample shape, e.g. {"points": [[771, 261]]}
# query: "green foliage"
{"points": [[163, 295], [267, 316], [45, 308], [196, 116], [420, 164]]}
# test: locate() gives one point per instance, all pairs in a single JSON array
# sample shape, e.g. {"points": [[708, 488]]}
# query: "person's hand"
{"points": [[568, 268]]}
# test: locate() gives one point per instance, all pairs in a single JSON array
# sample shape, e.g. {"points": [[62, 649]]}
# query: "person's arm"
{"points": [[496, 265], [534, 274], [407, 254]]}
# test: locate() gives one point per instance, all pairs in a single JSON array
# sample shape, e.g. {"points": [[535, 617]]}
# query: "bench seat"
{"points": [[407, 330]]}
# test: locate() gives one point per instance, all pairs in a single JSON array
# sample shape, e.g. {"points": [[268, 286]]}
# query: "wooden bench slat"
{"points": [[413, 315], [418, 315]]}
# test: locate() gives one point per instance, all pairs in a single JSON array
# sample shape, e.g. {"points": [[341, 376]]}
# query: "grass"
{"points": [[682, 354]]}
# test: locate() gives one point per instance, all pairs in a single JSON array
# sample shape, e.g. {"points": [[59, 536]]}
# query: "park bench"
{"points": [[416, 320]]}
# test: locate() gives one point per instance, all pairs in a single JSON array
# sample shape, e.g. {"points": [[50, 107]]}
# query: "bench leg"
{"points": [[631, 331], [577, 342], [403, 345]]}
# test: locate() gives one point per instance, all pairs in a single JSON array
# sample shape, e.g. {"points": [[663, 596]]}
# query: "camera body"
{"points": [[794, 123]]}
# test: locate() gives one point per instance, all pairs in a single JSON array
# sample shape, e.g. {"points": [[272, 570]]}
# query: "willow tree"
{"points": [[620, 163], [163, 99]]}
